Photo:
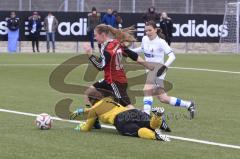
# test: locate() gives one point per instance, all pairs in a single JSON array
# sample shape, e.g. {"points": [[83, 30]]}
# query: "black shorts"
{"points": [[116, 90], [130, 121]]}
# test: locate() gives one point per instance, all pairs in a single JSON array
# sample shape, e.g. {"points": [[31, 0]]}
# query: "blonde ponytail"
{"points": [[123, 35]]}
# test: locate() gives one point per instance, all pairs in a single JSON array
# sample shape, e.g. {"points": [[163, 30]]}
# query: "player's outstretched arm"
{"points": [[138, 50], [171, 58], [135, 57], [147, 65], [97, 62]]}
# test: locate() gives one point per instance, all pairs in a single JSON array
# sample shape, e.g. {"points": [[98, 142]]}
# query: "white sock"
{"points": [[148, 100], [179, 102]]}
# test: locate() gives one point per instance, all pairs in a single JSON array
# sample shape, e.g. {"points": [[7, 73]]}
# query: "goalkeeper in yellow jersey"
{"points": [[130, 122]]}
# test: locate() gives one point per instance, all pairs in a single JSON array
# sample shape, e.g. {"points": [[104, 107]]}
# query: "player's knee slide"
{"points": [[94, 96], [146, 133]]}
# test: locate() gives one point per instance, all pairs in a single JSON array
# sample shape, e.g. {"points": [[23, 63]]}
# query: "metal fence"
{"points": [[132, 6], [122, 6]]}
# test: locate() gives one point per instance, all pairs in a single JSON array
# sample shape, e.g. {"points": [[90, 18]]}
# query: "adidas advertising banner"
{"points": [[187, 27], [73, 26]]}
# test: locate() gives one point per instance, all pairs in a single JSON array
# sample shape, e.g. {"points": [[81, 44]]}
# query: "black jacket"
{"points": [[13, 24], [38, 26], [167, 27], [150, 16]]}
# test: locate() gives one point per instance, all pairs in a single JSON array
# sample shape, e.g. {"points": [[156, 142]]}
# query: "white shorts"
{"points": [[153, 79]]}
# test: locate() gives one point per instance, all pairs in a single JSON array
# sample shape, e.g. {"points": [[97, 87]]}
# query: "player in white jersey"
{"points": [[154, 49]]}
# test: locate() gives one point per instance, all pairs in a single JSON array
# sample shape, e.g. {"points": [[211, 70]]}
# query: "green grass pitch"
{"points": [[26, 88]]}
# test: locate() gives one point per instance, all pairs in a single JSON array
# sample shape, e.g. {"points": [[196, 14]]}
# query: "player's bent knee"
{"points": [[93, 95], [146, 133], [89, 90], [130, 106]]}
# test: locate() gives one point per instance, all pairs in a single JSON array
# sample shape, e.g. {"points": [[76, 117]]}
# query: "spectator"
{"points": [[119, 19], [13, 24], [34, 27], [50, 25], [151, 15], [94, 18], [166, 26], [109, 18]]}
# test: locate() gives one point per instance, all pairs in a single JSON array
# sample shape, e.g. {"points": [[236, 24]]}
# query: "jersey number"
{"points": [[118, 59]]}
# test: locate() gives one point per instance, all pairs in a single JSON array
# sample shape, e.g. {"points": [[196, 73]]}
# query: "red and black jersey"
{"points": [[110, 61]]}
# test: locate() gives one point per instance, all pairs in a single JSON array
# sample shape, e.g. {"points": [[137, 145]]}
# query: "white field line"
{"points": [[28, 64], [179, 68], [111, 127], [206, 70]]}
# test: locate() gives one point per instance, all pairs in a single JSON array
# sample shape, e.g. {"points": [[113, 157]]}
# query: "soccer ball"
{"points": [[44, 121]]}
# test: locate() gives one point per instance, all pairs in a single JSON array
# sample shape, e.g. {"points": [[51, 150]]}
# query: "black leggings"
{"points": [[35, 41]]}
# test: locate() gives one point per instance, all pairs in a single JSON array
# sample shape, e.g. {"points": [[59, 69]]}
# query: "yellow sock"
{"points": [[146, 133], [155, 122]]}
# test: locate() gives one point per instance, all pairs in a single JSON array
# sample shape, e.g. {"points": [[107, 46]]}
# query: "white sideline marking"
{"points": [[29, 64], [203, 69], [180, 68], [111, 127]]}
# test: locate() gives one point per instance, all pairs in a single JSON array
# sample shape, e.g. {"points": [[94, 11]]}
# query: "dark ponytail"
{"points": [[154, 25]]}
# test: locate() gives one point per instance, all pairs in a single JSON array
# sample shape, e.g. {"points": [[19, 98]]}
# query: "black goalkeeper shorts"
{"points": [[129, 122], [116, 90]]}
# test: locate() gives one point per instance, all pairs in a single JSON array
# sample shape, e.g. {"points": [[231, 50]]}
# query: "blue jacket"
{"points": [[109, 20]]}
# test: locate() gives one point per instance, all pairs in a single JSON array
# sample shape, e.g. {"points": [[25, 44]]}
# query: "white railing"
{"points": [[171, 6]]}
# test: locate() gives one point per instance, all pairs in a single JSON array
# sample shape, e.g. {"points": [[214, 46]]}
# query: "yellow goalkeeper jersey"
{"points": [[105, 110]]}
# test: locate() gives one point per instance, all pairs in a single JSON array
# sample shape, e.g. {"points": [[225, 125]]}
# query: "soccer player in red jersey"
{"points": [[111, 53]]}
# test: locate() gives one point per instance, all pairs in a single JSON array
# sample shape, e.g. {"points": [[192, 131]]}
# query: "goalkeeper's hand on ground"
{"points": [[77, 112], [78, 127], [161, 70]]}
